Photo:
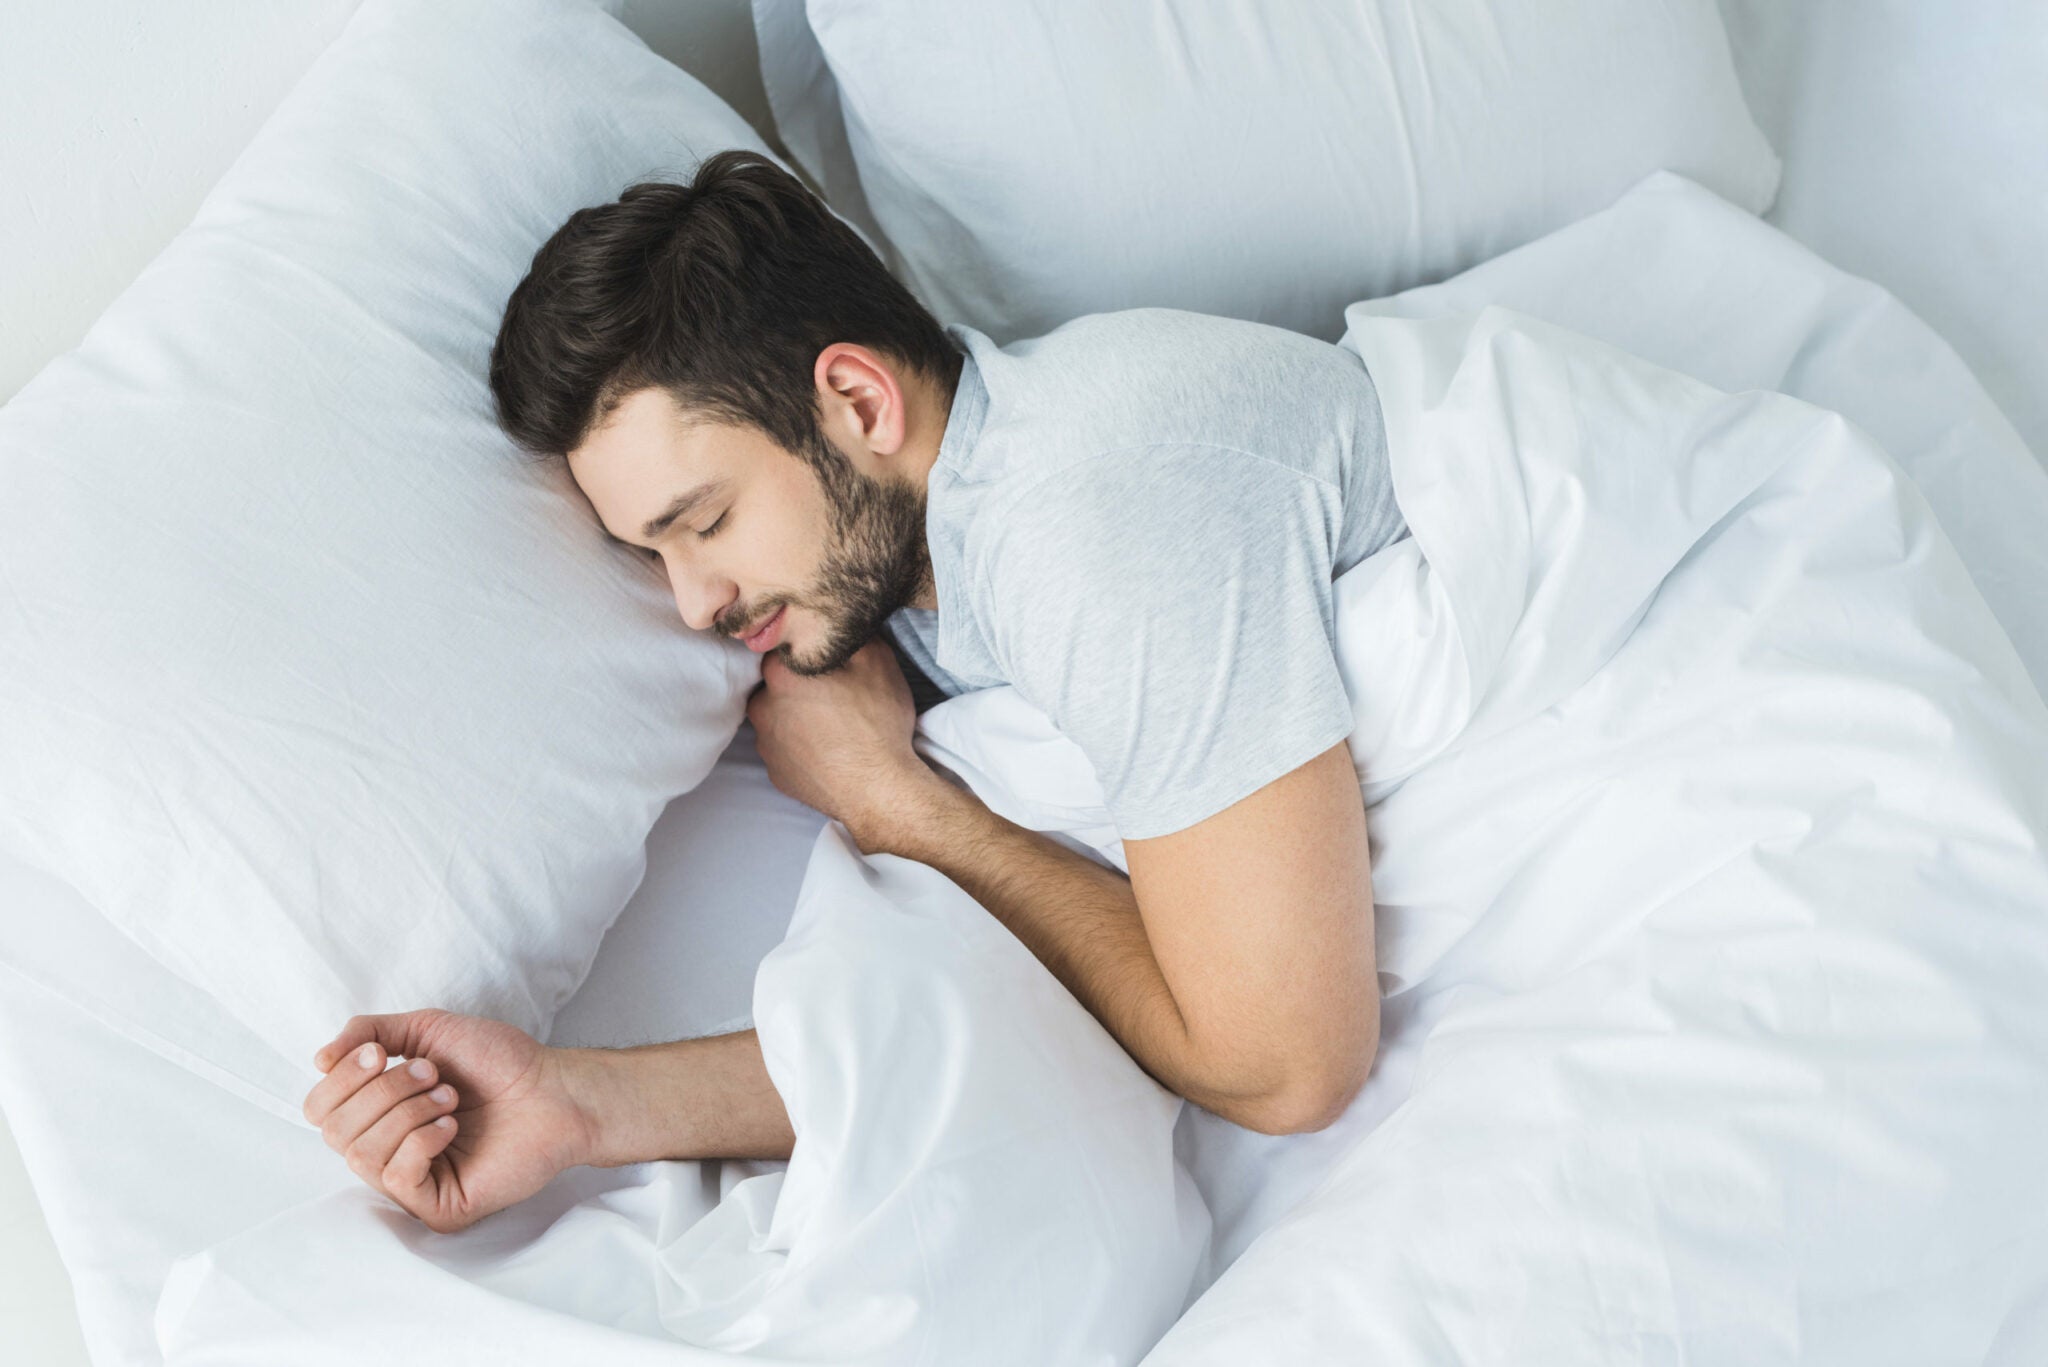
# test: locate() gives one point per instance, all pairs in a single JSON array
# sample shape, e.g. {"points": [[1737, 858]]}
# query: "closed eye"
{"points": [[654, 556]]}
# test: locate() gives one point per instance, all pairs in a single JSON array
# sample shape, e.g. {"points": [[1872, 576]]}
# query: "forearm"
{"points": [[694, 1098], [1082, 922]]}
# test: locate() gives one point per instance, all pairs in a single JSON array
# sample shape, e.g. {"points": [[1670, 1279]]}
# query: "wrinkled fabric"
{"points": [[981, 1174], [1707, 809]]}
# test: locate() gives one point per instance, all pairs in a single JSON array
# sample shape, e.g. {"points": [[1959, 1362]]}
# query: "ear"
{"points": [[860, 399]]}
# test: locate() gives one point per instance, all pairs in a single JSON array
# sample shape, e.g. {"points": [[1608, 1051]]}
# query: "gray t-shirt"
{"points": [[1136, 520]]}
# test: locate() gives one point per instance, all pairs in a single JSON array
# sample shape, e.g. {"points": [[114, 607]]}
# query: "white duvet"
{"points": [[1707, 800], [981, 1175]]}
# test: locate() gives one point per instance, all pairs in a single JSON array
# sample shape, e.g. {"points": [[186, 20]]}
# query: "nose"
{"points": [[700, 597]]}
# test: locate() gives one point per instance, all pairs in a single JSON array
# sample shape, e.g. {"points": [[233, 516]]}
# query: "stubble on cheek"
{"points": [[873, 562]]}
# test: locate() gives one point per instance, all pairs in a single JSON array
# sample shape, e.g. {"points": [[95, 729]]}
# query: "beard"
{"points": [[877, 561]]}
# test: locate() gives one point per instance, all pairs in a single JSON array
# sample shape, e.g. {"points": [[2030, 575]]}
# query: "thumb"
{"points": [[403, 1033]]}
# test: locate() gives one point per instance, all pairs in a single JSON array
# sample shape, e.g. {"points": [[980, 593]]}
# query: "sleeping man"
{"points": [[1135, 520]]}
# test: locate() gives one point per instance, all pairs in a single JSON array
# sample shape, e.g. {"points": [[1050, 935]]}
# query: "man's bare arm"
{"points": [[1236, 965], [1261, 1005], [692, 1098]]}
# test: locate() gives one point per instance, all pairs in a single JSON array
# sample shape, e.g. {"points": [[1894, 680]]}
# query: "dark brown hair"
{"points": [[722, 292]]}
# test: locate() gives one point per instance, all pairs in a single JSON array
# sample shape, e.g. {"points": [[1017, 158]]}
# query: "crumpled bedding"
{"points": [[1707, 804], [1707, 800], [981, 1175]]}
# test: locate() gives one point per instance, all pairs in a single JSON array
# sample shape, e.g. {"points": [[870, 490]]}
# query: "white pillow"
{"points": [[1033, 161], [313, 684]]}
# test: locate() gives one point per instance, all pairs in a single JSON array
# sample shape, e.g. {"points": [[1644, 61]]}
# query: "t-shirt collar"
{"points": [[945, 528], [970, 406]]}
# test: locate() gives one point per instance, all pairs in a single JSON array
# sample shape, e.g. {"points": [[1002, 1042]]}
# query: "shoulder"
{"points": [[1170, 342], [1144, 377]]}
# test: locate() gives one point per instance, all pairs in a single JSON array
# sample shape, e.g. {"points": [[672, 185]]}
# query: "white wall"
{"points": [[1915, 139], [117, 116]]}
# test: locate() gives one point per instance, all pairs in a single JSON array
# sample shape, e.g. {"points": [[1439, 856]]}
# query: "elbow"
{"points": [[1310, 1099], [1302, 1108]]}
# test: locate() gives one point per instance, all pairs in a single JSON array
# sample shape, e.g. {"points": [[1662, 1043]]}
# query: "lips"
{"points": [[767, 634]]}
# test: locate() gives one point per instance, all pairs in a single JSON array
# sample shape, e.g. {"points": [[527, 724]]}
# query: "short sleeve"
{"points": [[1170, 608]]}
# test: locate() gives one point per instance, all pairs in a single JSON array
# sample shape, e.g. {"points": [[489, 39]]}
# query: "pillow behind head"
{"points": [[314, 685], [1037, 160]]}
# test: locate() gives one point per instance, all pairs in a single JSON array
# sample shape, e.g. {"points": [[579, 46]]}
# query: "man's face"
{"points": [[803, 559]]}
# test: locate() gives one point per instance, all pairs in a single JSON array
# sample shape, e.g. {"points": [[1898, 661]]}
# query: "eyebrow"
{"points": [[682, 506]]}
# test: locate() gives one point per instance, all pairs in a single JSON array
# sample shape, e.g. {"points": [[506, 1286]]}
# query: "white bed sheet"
{"points": [[136, 1161]]}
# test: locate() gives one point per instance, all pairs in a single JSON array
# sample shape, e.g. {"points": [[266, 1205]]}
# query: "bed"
{"points": [[1862, 314]]}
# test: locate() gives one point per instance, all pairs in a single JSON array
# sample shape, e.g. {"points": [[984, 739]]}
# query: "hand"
{"points": [[482, 1117], [840, 742]]}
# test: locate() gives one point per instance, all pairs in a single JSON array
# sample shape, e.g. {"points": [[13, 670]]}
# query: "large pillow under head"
{"points": [[313, 684]]}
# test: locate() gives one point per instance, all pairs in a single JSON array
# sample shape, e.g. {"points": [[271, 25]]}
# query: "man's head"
{"points": [[744, 393]]}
